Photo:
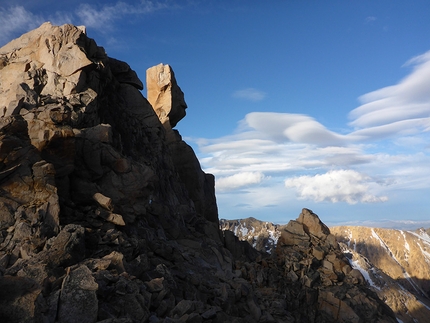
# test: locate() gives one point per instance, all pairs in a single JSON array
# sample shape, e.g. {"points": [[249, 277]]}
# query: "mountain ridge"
{"points": [[106, 215], [403, 287]]}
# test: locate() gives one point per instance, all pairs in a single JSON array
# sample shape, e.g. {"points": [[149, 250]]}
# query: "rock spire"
{"points": [[165, 96]]}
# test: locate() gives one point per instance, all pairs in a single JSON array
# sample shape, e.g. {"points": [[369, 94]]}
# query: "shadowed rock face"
{"points": [[106, 218], [167, 100]]}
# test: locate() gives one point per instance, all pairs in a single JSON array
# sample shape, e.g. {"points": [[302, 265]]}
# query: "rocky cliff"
{"points": [[106, 215]]}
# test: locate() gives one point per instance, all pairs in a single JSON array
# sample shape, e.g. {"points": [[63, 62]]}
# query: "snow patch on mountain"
{"points": [[263, 236], [356, 265]]}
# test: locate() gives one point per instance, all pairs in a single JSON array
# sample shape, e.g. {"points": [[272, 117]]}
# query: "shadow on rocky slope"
{"points": [[106, 215], [395, 265]]}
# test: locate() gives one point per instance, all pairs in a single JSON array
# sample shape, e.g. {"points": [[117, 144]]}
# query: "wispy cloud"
{"points": [[250, 94], [386, 150], [370, 19], [62, 17], [16, 20], [100, 17]]}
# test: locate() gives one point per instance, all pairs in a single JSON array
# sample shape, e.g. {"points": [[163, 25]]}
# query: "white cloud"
{"points": [[15, 21], [388, 141], [394, 109], [102, 17], [394, 129], [227, 156], [293, 127], [335, 186], [263, 145], [250, 94], [238, 180]]}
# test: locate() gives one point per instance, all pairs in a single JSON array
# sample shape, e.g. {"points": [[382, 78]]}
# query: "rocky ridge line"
{"points": [[106, 215], [394, 263]]}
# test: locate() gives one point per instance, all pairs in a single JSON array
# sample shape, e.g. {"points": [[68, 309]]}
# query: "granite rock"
{"points": [[106, 215]]}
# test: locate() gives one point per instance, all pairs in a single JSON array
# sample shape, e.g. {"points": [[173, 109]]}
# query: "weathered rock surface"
{"points": [[313, 258], [393, 263], [165, 96], [396, 266], [104, 218]]}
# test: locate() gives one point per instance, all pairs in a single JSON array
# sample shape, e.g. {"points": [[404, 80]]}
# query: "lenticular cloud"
{"points": [[409, 100], [391, 125], [297, 128], [238, 180], [335, 186]]}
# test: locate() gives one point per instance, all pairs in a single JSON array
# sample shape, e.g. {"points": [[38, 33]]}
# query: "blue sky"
{"points": [[291, 104]]}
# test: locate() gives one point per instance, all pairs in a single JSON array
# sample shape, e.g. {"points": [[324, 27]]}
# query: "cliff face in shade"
{"points": [[167, 100], [106, 215]]}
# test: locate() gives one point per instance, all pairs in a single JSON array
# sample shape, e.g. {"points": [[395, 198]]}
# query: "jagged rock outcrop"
{"points": [[85, 171], [308, 270], [104, 218], [392, 263], [165, 96], [312, 258]]}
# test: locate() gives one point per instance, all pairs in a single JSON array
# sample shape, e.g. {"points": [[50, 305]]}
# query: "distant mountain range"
{"points": [[263, 236], [394, 263]]}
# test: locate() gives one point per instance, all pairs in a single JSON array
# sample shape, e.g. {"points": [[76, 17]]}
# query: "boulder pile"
{"points": [[106, 215]]}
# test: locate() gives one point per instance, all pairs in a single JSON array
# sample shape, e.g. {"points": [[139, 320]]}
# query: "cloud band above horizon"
{"points": [[363, 165]]}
